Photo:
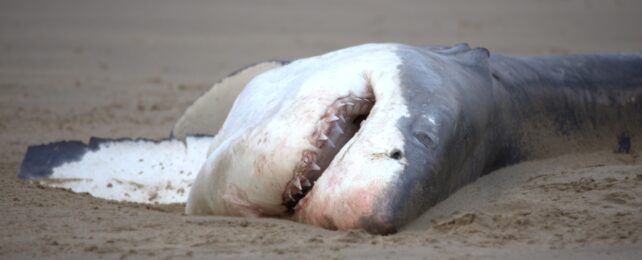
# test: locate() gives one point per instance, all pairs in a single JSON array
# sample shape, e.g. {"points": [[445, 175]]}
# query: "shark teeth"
{"points": [[330, 143], [338, 129], [348, 104], [297, 183], [332, 118], [335, 127], [306, 183]]}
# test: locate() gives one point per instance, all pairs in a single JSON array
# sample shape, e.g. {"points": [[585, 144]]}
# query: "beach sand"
{"points": [[76, 69]]}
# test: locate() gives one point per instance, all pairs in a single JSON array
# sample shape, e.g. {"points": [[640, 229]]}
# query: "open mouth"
{"points": [[341, 121]]}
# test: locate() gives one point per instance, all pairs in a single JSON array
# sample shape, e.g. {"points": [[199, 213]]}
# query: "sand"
{"points": [[76, 69]]}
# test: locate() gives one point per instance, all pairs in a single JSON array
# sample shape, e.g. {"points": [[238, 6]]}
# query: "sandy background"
{"points": [[75, 69]]}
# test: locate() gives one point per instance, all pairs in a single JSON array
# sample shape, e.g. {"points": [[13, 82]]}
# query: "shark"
{"points": [[367, 137]]}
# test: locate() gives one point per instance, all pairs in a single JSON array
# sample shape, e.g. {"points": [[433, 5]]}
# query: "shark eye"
{"points": [[396, 154]]}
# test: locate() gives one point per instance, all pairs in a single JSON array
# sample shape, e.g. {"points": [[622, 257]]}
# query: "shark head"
{"points": [[366, 137]]}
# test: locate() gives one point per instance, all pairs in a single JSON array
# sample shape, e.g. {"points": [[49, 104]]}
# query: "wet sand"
{"points": [[76, 69]]}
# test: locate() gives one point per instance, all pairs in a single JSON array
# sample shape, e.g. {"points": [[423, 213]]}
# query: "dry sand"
{"points": [[75, 69]]}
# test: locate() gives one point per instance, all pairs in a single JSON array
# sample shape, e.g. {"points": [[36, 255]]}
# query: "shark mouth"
{"points": [[340, 122]]}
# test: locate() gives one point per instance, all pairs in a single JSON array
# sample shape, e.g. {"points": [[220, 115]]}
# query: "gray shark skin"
{"points": [[472, 112]]}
